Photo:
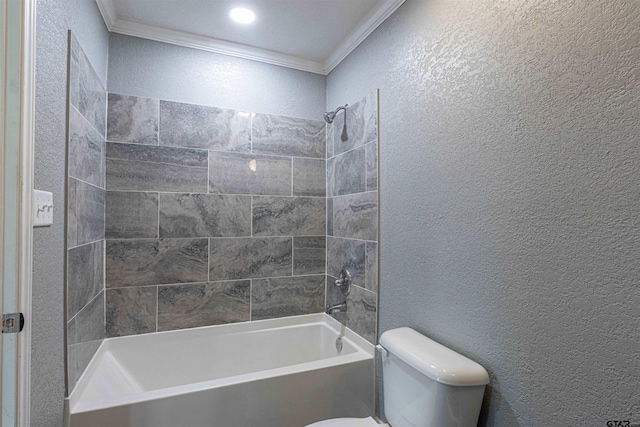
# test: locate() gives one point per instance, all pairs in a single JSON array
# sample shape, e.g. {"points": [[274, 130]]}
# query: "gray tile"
{"points": [[329, 136], [309, 177], [72, 223], [74, 71], [356, 216], [85, 275], [131, 311], [346, 173], [204, 215], [202, 304], [235, 173], [149, 168], [348, 254], [288, 136], [287, 296], [371, 266], [361, 124], [199, 126], [329, 216], [89, 213], [372, 165], [249, 257], [142, 262], [78, 358], [309, 254], [165, 155], [88, 324], [288, 216], [131, 215], [362, 313], [132, 119], [335, 296], [91, 99], [86, 150]]}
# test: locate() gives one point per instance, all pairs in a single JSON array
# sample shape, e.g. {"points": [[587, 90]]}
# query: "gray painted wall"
{"points": [[158, 70], [54, 18], [509, 179]]}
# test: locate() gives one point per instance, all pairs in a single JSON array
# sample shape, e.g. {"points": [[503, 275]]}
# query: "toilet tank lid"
{"points": [[433, 359]]}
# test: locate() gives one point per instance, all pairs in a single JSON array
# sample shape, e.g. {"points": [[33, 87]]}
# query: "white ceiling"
{"points": [[308, 35]]}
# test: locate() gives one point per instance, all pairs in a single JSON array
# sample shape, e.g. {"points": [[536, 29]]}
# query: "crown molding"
{"points": [[137, 29], [366, 27]]}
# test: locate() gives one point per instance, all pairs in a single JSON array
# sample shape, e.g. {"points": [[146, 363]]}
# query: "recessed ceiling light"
{"points": [[242, 15]]}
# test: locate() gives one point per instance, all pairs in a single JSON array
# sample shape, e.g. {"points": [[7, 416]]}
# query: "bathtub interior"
{"points": [[145, 367]]}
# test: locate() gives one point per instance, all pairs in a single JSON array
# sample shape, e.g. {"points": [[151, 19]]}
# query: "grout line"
{"points": [[158, 233], [250, 299], [212, 194], [157, 305], [208, 260]]}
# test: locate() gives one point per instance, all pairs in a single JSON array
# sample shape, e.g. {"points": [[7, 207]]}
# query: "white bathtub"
{"points": [[281, 372]]}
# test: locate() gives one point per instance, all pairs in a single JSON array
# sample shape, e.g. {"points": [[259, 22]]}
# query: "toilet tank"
{"points": [[427, 384]]}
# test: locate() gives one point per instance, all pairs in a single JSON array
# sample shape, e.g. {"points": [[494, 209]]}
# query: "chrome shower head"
{"points": [[330, 115]]}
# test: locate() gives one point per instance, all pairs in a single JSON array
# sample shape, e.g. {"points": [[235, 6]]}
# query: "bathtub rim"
{"points": [[364, 350]]}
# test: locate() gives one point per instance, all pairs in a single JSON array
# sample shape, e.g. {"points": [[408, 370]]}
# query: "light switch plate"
{"points": [[42, 208]]}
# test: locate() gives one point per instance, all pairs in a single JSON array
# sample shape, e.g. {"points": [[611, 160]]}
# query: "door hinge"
{"points": [[12, 323]]}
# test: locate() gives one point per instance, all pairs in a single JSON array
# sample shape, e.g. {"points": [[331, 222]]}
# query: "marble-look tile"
{"points": [[329, 136], [288, 136], [85, 275], [131, 215], [371, 266], [132, 119], [202, 304], [88, 324], [289, 216], [287, 296], [361, 124], [140, 262], [138, 167], [74, 71], [89, 213], [309, 177], [78, 358], [362, 313], [91, 100], [199, 126], [329, 216], [131, 311], [236, 173], [348, 254], [204, 215], [346, 173], [72, 222], [86, 150], [309, 254], [335, 296], [372, 165], [249, 257], [356, 216]]}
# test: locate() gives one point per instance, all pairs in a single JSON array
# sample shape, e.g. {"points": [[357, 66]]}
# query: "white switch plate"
{"points": [[42, 208]]}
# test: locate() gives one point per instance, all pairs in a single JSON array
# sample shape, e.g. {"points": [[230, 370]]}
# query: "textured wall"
{"points": [[54, 18], [509, 177], [158, 70]]}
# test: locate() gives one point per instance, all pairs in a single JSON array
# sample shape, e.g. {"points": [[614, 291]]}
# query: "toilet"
{"points": [[425, 385]]}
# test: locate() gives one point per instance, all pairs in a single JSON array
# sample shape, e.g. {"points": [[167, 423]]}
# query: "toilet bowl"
{"points": [[348, 422], [425, 385]]}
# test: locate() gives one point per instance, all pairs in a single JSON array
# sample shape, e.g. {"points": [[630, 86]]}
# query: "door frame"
{"points": [[26, 131]]}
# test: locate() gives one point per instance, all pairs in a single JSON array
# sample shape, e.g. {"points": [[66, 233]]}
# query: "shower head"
{"points": [[330, 115]]}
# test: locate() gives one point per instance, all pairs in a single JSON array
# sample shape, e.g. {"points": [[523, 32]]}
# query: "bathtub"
{"points": [[281, 372]]}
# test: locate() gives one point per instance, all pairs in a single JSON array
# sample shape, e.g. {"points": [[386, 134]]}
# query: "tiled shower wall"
{"points": [[352, 213], [85, 212], [212, 216]]}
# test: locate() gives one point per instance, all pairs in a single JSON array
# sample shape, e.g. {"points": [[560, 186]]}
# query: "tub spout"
{"points": [[337, 308]]}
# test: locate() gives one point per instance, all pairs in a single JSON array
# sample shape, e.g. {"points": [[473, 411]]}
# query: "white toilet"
{"points": [[425, 385]]}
